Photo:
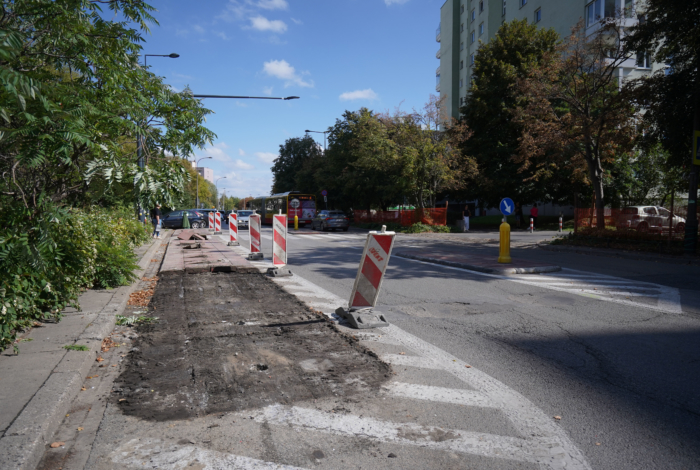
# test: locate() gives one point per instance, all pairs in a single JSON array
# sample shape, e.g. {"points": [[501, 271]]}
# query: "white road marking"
{"points": [[540, 451], [544, 439], [161, 454], [439, 394]]}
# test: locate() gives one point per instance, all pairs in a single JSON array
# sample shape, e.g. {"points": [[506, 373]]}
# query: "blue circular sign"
{"points": [[324, 193], [507, 206]]}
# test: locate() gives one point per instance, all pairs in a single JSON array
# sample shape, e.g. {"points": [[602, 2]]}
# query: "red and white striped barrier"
{"points": [[217, 226], [532, 225], [211, 221], [560, 224], [375, 259], [233, 228], [279, 240], [254, 229]]}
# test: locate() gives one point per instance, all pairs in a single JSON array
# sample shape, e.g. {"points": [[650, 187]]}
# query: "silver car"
{"points": [[244, 218], [330, 220], [649, 219]]}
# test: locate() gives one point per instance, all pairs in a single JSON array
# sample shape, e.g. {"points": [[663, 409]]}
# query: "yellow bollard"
{"points": [[504, 247], [296, 222]]}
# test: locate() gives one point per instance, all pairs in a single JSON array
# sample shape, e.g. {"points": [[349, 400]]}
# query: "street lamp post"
{"points": [[216, 185], [196, 166], [324, 137], [139, 143]]}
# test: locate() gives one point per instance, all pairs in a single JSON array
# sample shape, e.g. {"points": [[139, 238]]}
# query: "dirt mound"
{"points": [[230, 341]]}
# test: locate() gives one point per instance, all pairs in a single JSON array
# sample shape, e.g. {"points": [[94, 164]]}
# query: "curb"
{"points": [[471, 267], [587, 250], [26, 439]]}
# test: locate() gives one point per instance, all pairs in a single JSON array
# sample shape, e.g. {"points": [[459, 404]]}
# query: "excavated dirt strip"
{"points": [[231, 341]]}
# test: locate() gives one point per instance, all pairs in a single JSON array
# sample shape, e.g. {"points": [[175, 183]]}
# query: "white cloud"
{"points": [[282, 70], [243, 165], [267, 90], [199, 29], [273, 4], [367, 94], [241, 152], [222, 35], [261, 23], [296, 21], [394, 2], [267, 157]]}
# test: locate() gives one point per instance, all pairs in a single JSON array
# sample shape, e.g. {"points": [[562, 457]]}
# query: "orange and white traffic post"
{"points": [[217, 225], [233, 229], [254, 231], [279, 246], [368, 282]]}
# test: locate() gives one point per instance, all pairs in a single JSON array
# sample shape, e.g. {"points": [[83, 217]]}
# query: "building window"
{"points": [[471, 59], [504, 7], [461, 46], [473, 37], [461, 64], [462, 10], [481, 29], [473, 16], [538, 15], [629, 9], [481, 6], [599, 9], [461, 29], [437, 80], [643, 60], [461, 82], [523, 3]]}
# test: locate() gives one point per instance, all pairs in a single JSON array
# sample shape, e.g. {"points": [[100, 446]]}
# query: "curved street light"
{"points": [[196, 166], [324, 137]]}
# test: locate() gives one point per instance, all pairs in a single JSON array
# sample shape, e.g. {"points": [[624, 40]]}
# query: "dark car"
{"points": [[330, 220], [174, 219]]}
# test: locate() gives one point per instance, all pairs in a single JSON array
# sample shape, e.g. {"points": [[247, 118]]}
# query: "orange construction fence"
{"points": [[406, 218]]}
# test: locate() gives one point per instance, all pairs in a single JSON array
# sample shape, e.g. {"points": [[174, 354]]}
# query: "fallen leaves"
{"points": [[99, 359], [468, 366], [141, 298], [54, 445], [91, 376], [82, 389], [557, 418], [80, 429], [107, 344], [402, 353]]}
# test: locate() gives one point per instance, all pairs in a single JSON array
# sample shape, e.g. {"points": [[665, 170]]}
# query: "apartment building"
{"points": [[466, 23], [207, 173]]}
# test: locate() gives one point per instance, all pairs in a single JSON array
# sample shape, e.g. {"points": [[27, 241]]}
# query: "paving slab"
{"points": [[204, 256], [476, 262]]}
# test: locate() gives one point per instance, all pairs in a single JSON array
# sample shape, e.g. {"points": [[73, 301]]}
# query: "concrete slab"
{"points": [[486, 264], [212, 256]]}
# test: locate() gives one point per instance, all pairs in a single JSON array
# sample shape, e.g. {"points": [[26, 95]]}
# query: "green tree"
{"points": [[517, 48], [297, 158]]}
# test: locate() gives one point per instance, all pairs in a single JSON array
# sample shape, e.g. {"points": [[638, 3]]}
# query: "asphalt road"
{"points": [[621, 370]]}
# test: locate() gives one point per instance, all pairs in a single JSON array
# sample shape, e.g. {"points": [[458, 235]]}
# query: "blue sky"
{"points": [[335, 55]]}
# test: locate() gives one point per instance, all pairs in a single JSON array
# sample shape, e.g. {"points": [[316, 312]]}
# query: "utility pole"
{"points": [[691, 224]]}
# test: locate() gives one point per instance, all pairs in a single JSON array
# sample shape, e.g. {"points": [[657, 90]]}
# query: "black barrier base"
{"points": [[279, 272], [233, 244], [363, 318], [255, 256]]}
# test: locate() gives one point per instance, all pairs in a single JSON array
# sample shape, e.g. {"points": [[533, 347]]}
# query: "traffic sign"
{"points": [[294, 203], [325, 199], [696, 148], [324, 193], [507, 206]]}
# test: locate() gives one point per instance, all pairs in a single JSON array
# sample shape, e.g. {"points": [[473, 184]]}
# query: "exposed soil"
{"points": [[231, 341]]}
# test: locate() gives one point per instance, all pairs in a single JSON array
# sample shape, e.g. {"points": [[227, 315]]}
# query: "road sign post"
{"points": [[507, 207]]}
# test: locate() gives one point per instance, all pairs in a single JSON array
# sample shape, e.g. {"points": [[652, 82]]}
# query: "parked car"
{"points": [[197, 219], [244, 217], [330, 220], [649, 218]]}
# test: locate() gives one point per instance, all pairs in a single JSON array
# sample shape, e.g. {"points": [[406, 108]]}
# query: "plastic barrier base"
{"points": [[233, 244], [255, 256], [279, 272], [363, 317]]}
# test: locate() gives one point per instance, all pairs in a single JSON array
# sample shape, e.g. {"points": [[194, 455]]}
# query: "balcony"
{"points": [[437, 54], [437, 34], [437, 88], [437, 71]]}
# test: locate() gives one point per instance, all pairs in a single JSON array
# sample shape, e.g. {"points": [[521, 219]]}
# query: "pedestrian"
{"points": [[534, 212], [518, 214], [156, 220], [465, 215]]}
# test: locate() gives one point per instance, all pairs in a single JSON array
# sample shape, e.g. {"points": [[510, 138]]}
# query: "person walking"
{"points": [[518, 214], [156, 219], [466, 213], [534, 212]]}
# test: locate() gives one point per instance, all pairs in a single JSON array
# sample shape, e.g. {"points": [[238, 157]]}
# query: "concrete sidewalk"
{"points": [[456, 257], [38, 385]]}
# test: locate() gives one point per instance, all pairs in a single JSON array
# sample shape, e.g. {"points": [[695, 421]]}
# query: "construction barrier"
{"points": [[279, 240], [375, 259], [211, 221], [233, 228], [405, 218], [217, 227], [532, 225], [254, 229]]}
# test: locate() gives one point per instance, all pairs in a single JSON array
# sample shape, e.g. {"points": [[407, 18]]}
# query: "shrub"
{"points": [[46, 260]]}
